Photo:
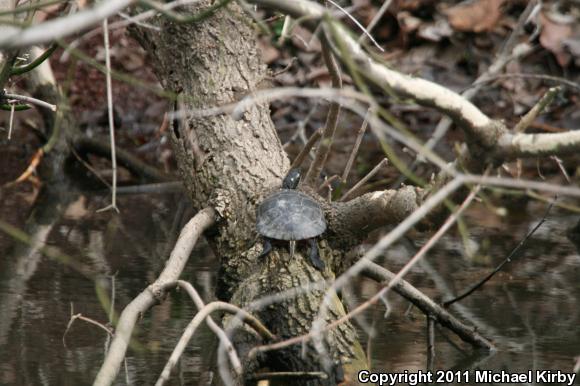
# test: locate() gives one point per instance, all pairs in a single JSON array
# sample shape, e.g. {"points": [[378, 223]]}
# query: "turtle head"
{"points": [[292, 179]]}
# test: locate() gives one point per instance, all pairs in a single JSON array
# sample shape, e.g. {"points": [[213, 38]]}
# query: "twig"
{"points": [[31, 100], [359, 25], [113, 204], [557, 79], [562, 168], [430, 343], [538, 108], [364, 180], [306, 149], [194, 295], [286, 68], [196, 322], [328, 182], [84, 319], [375, 20], [429, 307], [34, 162], [11, 122], [60, 27], [74, 317], [508, 259], [359, 136], [179, 257], [331, 120], [30, 7], [285, 28], [89, 167], [498, 64], [19, 70]]}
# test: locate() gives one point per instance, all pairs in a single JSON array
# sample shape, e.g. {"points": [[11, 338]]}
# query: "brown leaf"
{"points": [[476, 16], [553, 36]]}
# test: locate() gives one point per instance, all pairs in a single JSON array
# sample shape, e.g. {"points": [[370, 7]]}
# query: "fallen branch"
{"points": [[428, 306]]}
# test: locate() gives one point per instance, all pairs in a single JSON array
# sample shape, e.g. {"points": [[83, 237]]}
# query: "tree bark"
{"points": [[230, 165]]}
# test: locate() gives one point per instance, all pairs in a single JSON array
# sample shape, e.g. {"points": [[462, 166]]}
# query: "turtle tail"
{"points": [[292, 248]]}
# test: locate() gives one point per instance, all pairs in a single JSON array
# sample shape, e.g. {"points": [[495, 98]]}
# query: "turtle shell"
{"points": [[290, 215]]}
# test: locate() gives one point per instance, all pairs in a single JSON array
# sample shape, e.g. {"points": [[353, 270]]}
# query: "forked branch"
{"points": [[128, 319]]}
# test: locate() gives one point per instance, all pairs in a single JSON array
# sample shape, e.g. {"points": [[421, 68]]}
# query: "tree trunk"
{"points": [[230, 165]]}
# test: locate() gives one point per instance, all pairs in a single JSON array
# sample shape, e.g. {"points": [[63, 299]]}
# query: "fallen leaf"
{"points": [[475, 16], [553, 35]]}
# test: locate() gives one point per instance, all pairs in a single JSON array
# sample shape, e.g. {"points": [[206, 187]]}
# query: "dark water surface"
{"points": [[531, 309]]}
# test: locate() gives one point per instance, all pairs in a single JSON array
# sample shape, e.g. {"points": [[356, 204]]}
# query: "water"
{"points": [[530, 310]]}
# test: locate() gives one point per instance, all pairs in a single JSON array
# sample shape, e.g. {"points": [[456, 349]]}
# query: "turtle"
{"points": [[290, 215]]}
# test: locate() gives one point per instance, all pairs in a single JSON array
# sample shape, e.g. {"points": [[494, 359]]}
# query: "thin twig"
{"points": [[79, 316], [508, 259], [31, 100], [63, 26], [11, 122], [359, 136], [175, 265], [358, 24], [196, 322], [430, 343], [113, 204], [538, 108], [562, 168], [376, 18], [230, 349], [323, 150], [306, 149], [364, 180], [328, 182]]}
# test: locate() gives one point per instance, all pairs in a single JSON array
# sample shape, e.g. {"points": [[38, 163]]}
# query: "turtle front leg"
{"points": [[266, 248], [314, 255]]}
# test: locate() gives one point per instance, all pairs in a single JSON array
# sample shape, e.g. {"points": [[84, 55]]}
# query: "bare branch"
{"points": [[538, 108], [62, 26], [353, 153], [428, 306], [306, 149], [380, 13], [179, 256], [194, 295], [109, 85], [196, 322], [424, 92], [331, 120], [508, 259], [31, 100], [364, 180]]}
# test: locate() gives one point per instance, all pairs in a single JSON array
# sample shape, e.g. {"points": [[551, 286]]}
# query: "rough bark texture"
{"points": [[230, 165]]}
